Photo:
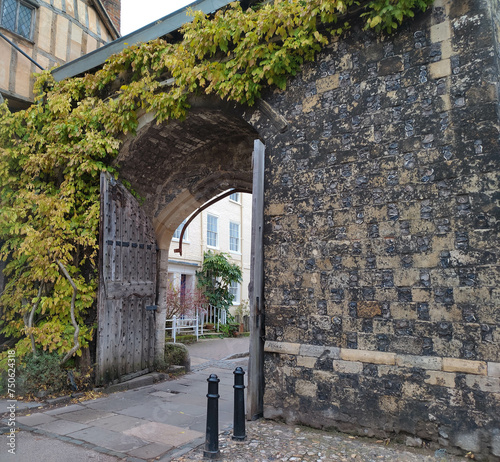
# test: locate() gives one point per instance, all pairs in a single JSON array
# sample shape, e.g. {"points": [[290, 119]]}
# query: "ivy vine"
{"points": [[52, 154]]}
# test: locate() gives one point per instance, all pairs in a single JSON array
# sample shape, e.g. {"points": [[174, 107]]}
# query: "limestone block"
{"points": [[328, 83], [495, 445], [347, 367], [306, 388], [306, 361], [314, 351], [369, 309], [275, 209], [442, 379], [440, 69], [493, 369], [308, 104], [282, 348], [366, 356], [424, 362], [464, 365], [441, 32], [487, 384]]}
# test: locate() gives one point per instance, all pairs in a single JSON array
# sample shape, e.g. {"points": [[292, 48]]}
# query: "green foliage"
{"points": [[216, 275], [42, 373], [230, 329], [176, 354], [387, 15], [51, 155]]}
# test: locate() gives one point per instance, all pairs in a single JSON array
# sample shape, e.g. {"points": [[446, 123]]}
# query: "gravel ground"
{"points": [[274, 441]]}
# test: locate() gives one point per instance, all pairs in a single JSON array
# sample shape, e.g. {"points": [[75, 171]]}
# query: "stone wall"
{"points": [[381, 235]]}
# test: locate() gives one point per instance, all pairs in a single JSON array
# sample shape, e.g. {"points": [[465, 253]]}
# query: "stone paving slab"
{"points": [[150, 451], [148, 411], [117, 441], [163, 433], [112, 403], [32, 447], [119, 422], [87, 415], [62, 427], [33, 420], [63, 410]]}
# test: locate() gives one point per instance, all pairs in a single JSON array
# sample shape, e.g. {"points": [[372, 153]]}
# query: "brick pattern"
{"points": [[113, 7], [381, 233]]}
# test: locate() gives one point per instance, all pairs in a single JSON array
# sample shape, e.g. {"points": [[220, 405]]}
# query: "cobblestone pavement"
{"points": [[274, 441]]}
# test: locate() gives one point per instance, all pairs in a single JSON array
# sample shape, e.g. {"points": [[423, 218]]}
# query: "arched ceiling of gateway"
{"points": [[179, 165]]}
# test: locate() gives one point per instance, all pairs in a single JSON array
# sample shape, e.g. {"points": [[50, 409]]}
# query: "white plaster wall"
{"points": [[195, 245]]}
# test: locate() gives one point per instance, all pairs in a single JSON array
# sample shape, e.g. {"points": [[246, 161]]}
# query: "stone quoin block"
{"points": [[365, 356], [465, 366], [282, 348]]}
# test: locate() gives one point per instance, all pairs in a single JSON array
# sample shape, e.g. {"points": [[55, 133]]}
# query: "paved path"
{"points": [[162, 420], [166, 421]]}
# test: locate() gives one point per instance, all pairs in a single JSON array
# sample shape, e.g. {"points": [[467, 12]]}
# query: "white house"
{"points": [[223, 227]]}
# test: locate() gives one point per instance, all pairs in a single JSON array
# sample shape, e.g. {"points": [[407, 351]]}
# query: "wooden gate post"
{"points": [[255, 392]]}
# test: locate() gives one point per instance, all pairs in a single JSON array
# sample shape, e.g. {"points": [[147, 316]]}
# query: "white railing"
{"points": [[181, 323], [195, 323], [215, 316]]}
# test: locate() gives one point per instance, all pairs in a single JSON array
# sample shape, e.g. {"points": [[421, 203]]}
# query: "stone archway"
{"points": [[178, 166]]}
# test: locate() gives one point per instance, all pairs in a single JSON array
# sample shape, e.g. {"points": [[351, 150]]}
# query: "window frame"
{"points": [[216, 232], [30, 4], [237, 299], [185, 238], [232, 237], [238, 201]]}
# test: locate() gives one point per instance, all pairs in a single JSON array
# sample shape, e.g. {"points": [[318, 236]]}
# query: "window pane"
{"points": [[24, 21], [177, 232], [234, 290], [235, 197], [212, 230], [234, 237], [9, 14]]}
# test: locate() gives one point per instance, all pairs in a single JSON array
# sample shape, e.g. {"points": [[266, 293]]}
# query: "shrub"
{"points": [[229, 330], [41, 374]]}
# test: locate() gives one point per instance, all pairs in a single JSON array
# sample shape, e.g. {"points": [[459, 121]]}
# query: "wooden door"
{"points": [[127, 286]]}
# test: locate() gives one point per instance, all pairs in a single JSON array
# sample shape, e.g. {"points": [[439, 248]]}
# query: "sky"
{"points": [[138, 13]]}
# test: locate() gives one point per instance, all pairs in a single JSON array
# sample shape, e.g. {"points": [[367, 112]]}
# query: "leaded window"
{"points": [[17, 17]]}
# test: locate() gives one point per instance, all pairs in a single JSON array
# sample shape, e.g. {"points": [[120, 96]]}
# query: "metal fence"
{"points": [[195, 322]]}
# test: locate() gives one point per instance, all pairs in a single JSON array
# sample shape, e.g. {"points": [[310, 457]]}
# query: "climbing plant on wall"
{"points": [[51, 154]]}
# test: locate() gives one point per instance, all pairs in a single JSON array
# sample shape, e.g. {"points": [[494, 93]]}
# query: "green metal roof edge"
{"points": [[152, 31]]}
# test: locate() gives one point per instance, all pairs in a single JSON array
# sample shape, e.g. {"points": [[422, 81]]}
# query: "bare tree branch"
{"points": [[73, 320], [28, 322]]}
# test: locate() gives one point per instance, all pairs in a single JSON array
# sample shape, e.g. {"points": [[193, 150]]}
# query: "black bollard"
{"points": [[239, 405], [212, 437]]}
